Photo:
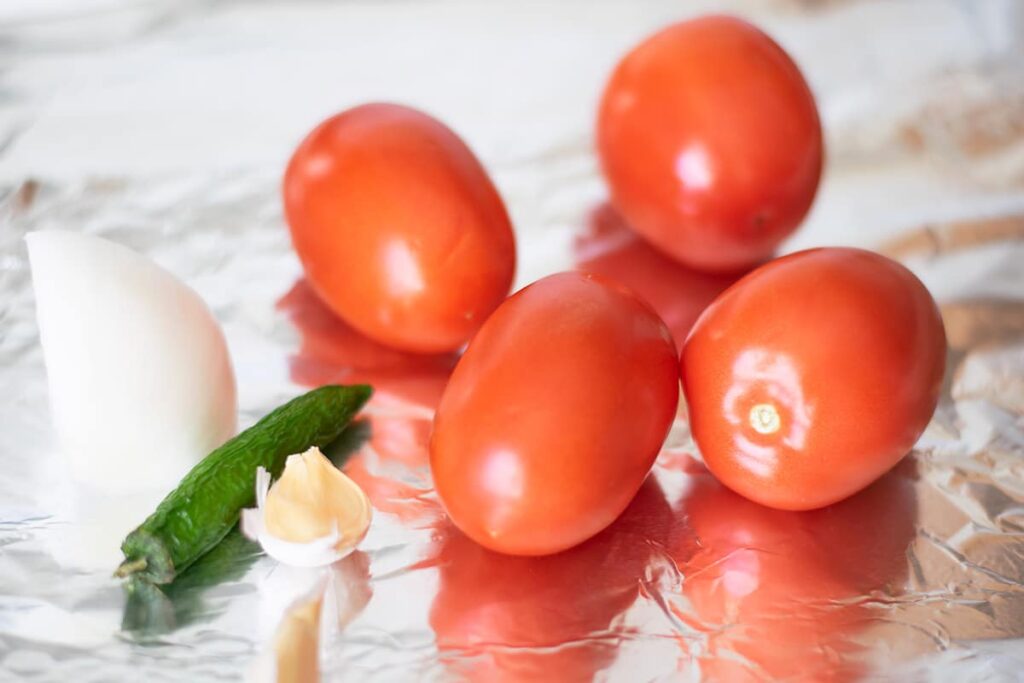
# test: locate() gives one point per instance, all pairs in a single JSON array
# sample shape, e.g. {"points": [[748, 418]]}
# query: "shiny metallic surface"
{"points": [[165, 126]]}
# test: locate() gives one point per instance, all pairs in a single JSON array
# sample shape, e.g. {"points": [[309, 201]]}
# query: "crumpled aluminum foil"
{"points": [[920, 577]]}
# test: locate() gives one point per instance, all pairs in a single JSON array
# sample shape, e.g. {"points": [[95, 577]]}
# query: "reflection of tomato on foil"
{"points": [[552, 618], [407, 387], [775, 595], [678, 293], [331, 351], [393, 469]]}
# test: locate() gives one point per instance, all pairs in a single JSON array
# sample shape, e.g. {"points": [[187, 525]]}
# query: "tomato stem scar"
{"points": [[764, 418]]}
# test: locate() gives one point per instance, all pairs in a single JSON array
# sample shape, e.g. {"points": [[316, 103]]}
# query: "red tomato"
{"points": [[398, 227], [711, 143], [554, 415], [813, 375]]}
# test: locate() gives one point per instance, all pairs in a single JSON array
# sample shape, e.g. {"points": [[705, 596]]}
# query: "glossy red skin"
{"points": [[554, 415], [710, 140], [398, 227], [847, 346]]}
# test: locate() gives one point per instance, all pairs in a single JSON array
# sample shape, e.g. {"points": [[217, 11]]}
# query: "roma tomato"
{"points": [[554, 415], [710, 141], [813, 375], [398, 227]]}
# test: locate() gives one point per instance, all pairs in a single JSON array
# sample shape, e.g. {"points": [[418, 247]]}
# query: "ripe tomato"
{"points": [[398, 227], [711, 143], [554, 415], [813, 375]]}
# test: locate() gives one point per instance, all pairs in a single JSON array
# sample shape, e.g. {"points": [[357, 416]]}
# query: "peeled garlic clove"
{"points": [[312, 516], [141, 384]]}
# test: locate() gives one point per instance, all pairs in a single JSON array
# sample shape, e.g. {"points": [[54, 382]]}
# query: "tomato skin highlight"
{"points": [[813, 375], [398, 227], [711, 143], [554, 415]]}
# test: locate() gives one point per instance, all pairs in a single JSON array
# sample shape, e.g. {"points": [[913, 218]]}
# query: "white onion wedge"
{"points": [[141, 384]]}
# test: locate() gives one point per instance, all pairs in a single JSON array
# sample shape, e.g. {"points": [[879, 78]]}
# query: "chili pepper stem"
{"points": [[129, 567]]}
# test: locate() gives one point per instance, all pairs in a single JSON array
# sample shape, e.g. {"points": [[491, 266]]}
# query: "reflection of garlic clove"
{"points": [[295, 654], [312, 516], [141, 384], [309, 608]]}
